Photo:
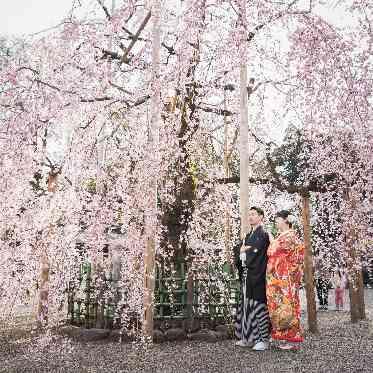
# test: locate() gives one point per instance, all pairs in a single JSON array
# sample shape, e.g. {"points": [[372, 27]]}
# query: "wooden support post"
{"points": [[190, 295], [244, 123], [42, 305], [356, 285], [151, 230], [227, 228], [308, 266], [42, 308], [149, 286], [356, 288], [361, 295]]}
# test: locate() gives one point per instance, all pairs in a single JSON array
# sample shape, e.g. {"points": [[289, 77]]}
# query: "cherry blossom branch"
{"points": [[136, 36], [54, 87], [105, 9], [251, 34]]}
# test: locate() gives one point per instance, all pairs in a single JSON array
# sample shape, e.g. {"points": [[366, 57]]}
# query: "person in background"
{"points": [[252, 321], [322, 289], [368, 273], [339, 282]]}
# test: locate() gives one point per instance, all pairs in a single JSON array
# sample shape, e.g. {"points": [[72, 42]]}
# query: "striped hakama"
{"points": [[252, 318]]}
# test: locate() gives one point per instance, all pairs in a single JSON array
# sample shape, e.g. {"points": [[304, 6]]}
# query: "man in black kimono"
{"points": [[252, 320]]}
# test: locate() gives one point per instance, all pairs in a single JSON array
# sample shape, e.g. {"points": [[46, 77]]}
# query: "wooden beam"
{"points": [[314, 186]]}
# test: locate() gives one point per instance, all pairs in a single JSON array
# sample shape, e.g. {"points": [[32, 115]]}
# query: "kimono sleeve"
{"points": [[296, 253], [237, 259]]}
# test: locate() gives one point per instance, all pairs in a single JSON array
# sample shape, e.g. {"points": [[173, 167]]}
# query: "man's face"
{"points": [[254, 217]]}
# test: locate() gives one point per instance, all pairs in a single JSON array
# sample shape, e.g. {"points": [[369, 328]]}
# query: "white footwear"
{"points": [[242, 343], [261, 346]]}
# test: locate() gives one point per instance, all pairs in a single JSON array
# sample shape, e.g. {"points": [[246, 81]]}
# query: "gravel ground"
{"points": [[340, 347]]}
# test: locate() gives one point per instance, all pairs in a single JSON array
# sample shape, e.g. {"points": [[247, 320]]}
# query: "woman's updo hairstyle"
{"points": [[286, 215]]}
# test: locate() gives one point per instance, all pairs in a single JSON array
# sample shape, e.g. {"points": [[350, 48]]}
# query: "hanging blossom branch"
{"points": [[124, 58], [105, 9]]}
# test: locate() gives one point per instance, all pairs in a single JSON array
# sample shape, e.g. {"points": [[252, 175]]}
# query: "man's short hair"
{"points": [[258, 210]]}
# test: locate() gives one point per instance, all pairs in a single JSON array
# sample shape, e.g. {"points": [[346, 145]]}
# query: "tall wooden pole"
{"points": [[227, 228], [308, 266], [244, 123], [356, 285], [42, 305], [151, 221], [356, 292]]}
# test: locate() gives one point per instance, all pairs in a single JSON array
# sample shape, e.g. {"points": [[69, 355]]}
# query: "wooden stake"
{"points": [[308, 266]]}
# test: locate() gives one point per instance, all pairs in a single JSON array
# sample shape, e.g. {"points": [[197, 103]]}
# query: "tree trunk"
{"points": [[176, 216], [151, 221], [244, 123], [308, 266]]}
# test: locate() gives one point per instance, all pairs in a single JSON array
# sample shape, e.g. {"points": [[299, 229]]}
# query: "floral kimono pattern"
{"points": [[284, 276]]}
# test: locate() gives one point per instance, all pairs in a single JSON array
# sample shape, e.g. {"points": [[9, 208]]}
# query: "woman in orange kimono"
{"points": [[284, 276]]}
